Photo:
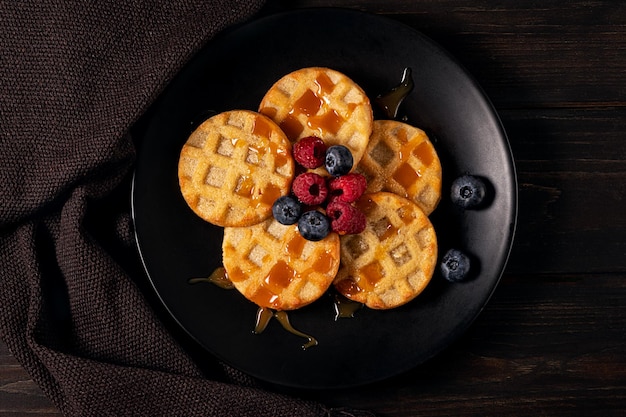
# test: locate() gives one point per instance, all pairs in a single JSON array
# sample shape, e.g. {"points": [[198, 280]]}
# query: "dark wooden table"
{"points": [[552, 340]]}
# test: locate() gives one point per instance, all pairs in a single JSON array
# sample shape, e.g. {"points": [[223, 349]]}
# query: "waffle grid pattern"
{"points": [[324, 103], [392, 261], [234, 166], [274, 266], [401, 159]]}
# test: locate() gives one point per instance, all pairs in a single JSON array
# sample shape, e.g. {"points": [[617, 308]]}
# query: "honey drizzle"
{"points": [[245, 187], [345, 308], [263, 317], [370, 275], [330, 122], [390, 102], [315, 106], [349, 286], [405, 174], [262, 128], [217, 277]]}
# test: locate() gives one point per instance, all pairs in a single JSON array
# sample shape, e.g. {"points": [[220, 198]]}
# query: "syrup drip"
{"points": [[315, 105], [217, 277], [390, 102], [345, 308], [263, 317]]}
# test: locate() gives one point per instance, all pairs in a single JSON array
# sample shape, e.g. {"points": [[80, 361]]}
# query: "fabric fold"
{"points": [[74, 78]]}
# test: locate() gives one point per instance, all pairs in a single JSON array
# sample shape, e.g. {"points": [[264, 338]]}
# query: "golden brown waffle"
{"points": [[273, 266], [321, 102], [400, 158], [393, 260], [234, 166]]}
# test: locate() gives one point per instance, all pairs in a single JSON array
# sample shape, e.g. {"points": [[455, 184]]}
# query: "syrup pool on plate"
{"points": [[390, 101]]}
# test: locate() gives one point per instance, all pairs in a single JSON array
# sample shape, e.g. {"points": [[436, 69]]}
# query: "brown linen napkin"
{"points": [[74, 77]]}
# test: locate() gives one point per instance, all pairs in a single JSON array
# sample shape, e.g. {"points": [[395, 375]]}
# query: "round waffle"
{"points": [[234, 166], [401, 159], [393, 259], [273, 266], [321, 102]]}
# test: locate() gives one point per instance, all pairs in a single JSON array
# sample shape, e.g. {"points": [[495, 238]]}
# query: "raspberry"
{"points": [[310, 152], [345, 219], [310, 188], [348, 187]]}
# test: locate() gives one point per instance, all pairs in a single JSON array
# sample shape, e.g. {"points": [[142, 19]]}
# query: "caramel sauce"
{"points": [[314, 105], [344, 307], [424, 153], [371, 274], [264, 297], [406, 214], [323, 264], [390, 102], [406, 176], [268, 196], [238, 143], [269, 112], [366, 281], [295, 245], [260, 197], [282, 274], [349, 287], [324, 84], [283, 319], [366, 205], [263, 317], [291, 126], [402, 136], [279, 277], [245, 186], [282, 156], [308, 104], [217, 277], [237, 275], [390, 230], [330, 121], [262, 128]]}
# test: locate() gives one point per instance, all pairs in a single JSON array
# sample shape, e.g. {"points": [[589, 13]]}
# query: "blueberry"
{"points": [[455, 265], [468, 191], [287, 210], [338, 160], [313, 225]]}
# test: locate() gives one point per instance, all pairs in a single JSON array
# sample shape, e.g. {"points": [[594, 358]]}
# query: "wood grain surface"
{"points": [[552, 340]]}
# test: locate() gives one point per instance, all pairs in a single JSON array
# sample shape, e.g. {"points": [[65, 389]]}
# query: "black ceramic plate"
{"points": [[234, 71]]}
